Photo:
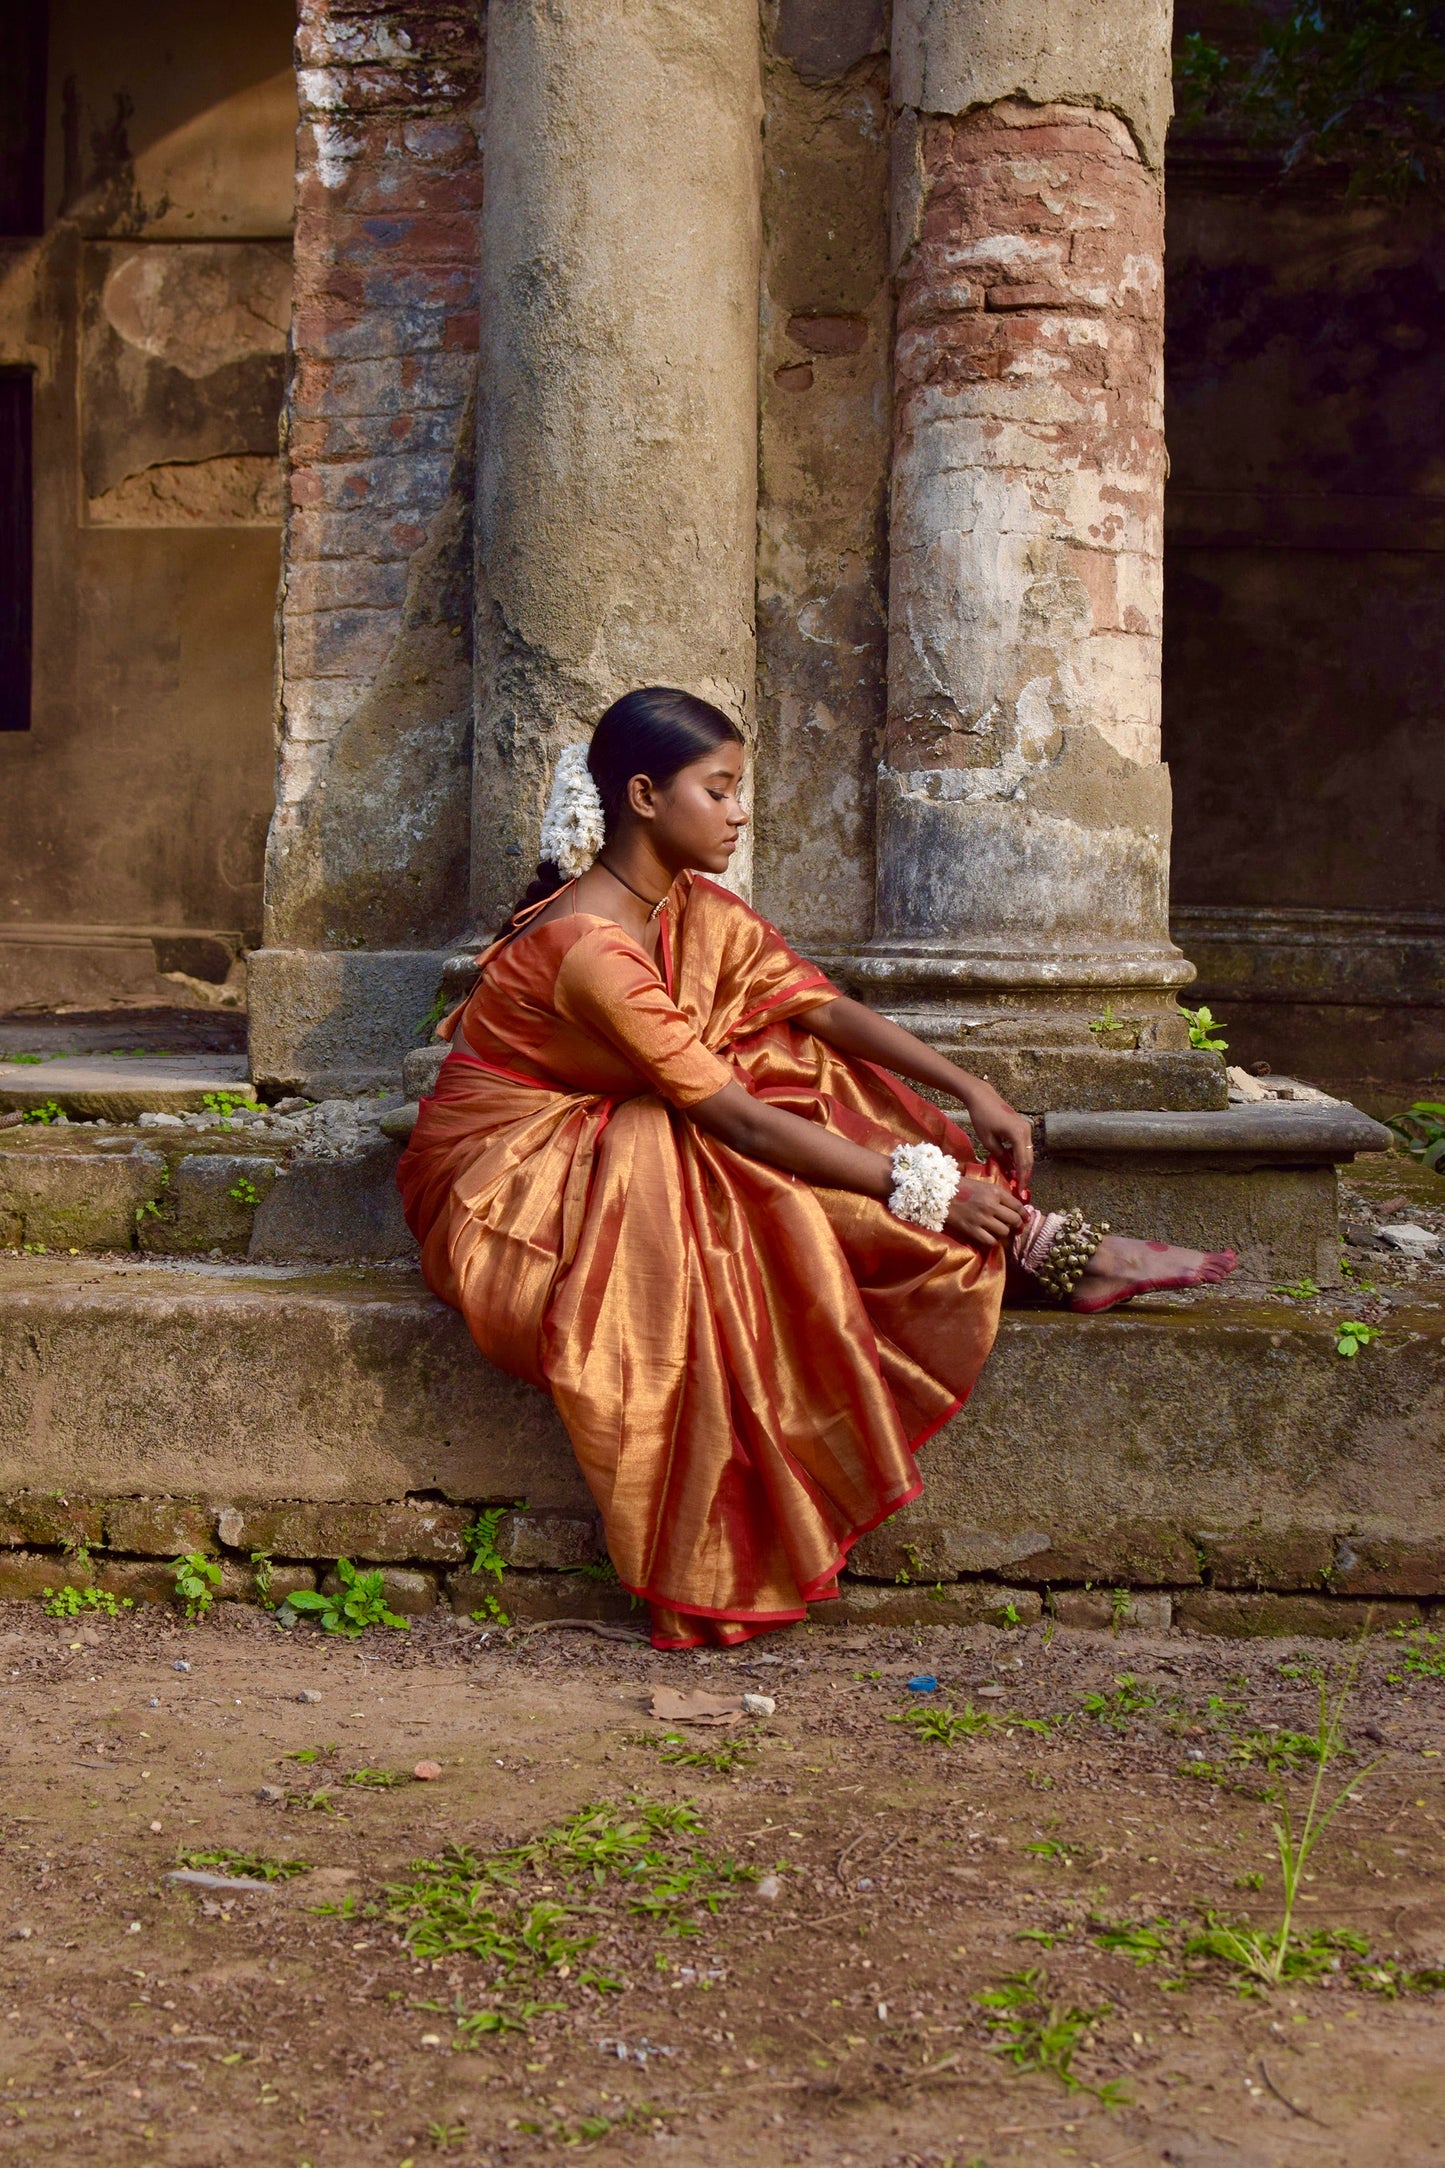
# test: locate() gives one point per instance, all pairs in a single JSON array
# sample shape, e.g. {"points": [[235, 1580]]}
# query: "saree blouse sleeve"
{"points": [[606, 986]]}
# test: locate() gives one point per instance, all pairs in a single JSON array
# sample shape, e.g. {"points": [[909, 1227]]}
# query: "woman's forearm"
{"points": [[854, 1029], [981, 1212]]}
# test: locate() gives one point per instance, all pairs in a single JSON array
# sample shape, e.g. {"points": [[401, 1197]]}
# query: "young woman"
{"points": [[672, 1175]]}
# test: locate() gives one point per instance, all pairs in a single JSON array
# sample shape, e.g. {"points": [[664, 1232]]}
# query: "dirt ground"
{"points": [[828, 2015]]}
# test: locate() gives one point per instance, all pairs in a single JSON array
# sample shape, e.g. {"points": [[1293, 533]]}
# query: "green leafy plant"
{"points": [[426, 1029], [1204, 1030], [378, 1780], [1055, 1850], [226, 1105], [524, 1913], [1128, 1699], [1120, 1605], [358, 1603], [1351, 1336], [71, 1602], [49, 1110], [1268, 1957], [481, 1540], [1421, 1129], [1424, 1656], [1356, 85], [676, 1752], [1297, 1290], [943, 1726], [244, 1191], [1037, 2032], [1144, 1942], [1108, 1021], [252, 1864], [197, 1579], [25, 1060], [261, 1564]]}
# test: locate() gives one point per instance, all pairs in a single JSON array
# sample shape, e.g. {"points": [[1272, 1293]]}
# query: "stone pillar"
{"points": [[1023, 813], [367, 861], [617, 421]]}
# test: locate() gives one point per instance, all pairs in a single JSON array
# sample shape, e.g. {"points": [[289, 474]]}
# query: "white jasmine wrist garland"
{"points": [[573, 829], [925, 1183]]}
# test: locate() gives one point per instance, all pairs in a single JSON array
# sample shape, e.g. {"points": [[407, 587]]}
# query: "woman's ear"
{"points": [[641, 798]]}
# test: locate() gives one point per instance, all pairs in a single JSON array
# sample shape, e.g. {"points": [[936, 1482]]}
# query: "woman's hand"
{"points": [[982, 1213], [1001, 1132]]}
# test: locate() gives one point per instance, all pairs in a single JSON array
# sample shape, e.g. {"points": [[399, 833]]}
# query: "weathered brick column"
{"points": [[1023, 814], [617, 421], [367, 867]]}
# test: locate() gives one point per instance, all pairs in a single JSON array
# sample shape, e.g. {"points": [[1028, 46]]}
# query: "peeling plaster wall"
{"points": [[1023, 812], [153, 315], [823, 464]]}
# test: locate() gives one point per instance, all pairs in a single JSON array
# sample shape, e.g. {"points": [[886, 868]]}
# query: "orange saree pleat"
{"points": [[744, 1364]]}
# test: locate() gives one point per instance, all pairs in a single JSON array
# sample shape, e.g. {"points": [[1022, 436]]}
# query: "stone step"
{"points": [[118, 1087], [228, 1191], [1219, 1451]]}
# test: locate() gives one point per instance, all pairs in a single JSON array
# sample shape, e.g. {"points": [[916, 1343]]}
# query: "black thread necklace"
{"points": [[652, 908]]}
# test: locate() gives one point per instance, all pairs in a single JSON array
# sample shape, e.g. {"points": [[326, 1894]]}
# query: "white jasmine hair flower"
{"points": [[573, 829]]}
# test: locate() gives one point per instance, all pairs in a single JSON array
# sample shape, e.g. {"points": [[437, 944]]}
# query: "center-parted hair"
{"points": [[655, 732]]}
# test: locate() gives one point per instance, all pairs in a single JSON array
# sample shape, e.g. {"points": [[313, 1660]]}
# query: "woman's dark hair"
{"points": [[653, 732]]}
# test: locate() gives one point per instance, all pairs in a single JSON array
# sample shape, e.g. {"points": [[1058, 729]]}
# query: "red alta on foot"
{"points": [[1213, 1265]]}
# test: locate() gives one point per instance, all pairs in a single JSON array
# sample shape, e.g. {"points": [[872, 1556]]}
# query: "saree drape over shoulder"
{"points": [[745, 1364]]}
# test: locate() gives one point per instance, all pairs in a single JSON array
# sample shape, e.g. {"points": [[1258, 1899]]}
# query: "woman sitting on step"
{"points": [[672, 1175]]}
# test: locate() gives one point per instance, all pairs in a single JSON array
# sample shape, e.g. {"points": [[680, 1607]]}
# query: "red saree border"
{"points": [[763, 1621]]}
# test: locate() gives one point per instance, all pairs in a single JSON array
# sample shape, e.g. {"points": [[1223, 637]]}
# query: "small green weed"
{"points": [[1259, 1956], [1421, 1129], [1266, 1959], [244, 1191], [1144, 1943], [225, 1860], [1036, 2032], [1120, 1604], [197, 1579], [306, 1755], [601, 1569], [945, 1726], [227, 1104], [1424, 1656], [25, 1061], [1128, 1699], [522, 1912], [1393, 1980], [1204, 1030], [1055, 1850], [359, 1602], [442, 2134], [261, 1563], [378, 1780], [676, 1752], [1351, 1336], [1108, 1021], [1297, 1290], [50, 1110], [481, 1540], [70, 1602], [1356, 1275]]}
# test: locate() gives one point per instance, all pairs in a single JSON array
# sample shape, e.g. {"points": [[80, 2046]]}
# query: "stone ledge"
{"points": [[1297, 1135], [1094, 1449]]}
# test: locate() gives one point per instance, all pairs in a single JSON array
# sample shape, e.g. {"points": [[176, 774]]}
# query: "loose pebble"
{"points": [[308, 1693], [759, 1705], [428, 1771]]}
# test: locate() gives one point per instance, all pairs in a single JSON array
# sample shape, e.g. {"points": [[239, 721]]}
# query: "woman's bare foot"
{"points": [[1121, 1267]]}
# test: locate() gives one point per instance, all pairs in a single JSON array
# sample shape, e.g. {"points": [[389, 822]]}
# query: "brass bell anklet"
{"points": [[1069, 1254]]}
